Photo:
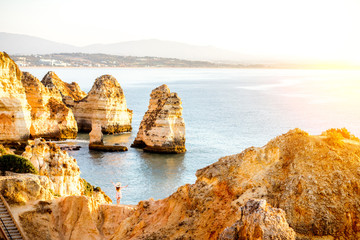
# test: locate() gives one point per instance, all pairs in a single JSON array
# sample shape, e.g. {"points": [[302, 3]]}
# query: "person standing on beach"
{"points": [[118, 188]]}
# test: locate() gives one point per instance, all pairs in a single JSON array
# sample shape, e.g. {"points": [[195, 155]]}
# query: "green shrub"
{"points": [[15, 163], [88, 189]]}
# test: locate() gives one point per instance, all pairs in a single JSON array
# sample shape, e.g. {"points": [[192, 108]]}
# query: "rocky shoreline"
{"points": [[297, 186]]}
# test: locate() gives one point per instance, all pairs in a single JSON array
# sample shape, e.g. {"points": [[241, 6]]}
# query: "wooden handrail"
{"points": [[12, 217], [3, 231]]}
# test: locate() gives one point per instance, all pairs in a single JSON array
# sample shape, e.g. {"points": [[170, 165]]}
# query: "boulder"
{"points": [[259, 221], [51, 118], [21, 188], [106, 104], [162, 128], [15, 118], [70, 92]]}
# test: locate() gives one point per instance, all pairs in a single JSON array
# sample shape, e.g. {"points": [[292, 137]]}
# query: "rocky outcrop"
{"points": [[23, 188], [259, 221], [72, 218], [96, 136], [315, 181], [62, 170], [50, 116], [70, 92], [162, 128], [15, 119], [105, 104]]}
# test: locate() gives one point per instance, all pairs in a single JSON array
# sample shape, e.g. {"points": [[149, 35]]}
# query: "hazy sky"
{"points": [[319, 29]]}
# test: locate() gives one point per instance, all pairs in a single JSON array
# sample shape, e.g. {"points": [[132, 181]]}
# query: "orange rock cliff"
{"points": [[305, 186]]}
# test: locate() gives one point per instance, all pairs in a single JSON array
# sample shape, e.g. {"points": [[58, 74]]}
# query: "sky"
{"points": [[326, 30]]}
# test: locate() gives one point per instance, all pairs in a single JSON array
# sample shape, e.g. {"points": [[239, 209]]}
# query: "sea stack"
{"points": [[162, 128], [15, 119], [106, 104], [70, 92], [96, 136], [50, 117]]}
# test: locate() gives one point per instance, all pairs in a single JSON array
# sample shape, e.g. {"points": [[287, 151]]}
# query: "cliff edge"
{"points": [[15, 118], [315, 180]]}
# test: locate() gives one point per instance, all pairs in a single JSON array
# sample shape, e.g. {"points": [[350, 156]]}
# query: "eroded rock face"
{"points": [[316, 184], [57, 165], [22, 188], [105, 104], [50, 116], [96, 136], [259, 221], [15, 119], [162, 128], [70, 92], [73, 218]]}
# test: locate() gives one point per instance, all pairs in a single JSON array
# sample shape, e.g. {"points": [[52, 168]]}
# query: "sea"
{"points": [[225, 112]]}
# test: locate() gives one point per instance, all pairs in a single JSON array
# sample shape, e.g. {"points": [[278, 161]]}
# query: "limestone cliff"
{"points": [[70, 92], [259, 221], [57, 165], [23, 188], [162, 128], [314, 179], [72, 218], [50, 116], [105, 104], [15, 119]]}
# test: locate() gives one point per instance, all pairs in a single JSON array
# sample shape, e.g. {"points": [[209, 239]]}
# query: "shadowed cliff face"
{"points": [[15, 119], [312, 178], [105, 104]]}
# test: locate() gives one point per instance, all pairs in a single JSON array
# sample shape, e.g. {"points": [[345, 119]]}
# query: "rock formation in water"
{"points": [[51, 118], [70, 92], [72, 218], [15, 119], [96, 136], [106, 104], [162, 128], [63, 171], [314, 179], [259, 221]]}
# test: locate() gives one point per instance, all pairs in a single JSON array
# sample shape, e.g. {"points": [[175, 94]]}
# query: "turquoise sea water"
{"points": [[225, 111]]}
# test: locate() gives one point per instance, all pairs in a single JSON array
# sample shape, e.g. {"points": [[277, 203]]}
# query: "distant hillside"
{"points": [[18, 44], [24, 44], [106, 60]]}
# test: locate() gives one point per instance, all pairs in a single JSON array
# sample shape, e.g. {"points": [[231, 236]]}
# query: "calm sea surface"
{"points": [[225, 112]]}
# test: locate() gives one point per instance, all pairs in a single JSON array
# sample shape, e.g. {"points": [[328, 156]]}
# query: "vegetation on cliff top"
{"points": [[15, 163], [88, 190], [335, 136]]}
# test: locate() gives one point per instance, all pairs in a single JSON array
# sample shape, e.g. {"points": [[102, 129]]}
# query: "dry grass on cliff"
{"points": [[336, 136]]}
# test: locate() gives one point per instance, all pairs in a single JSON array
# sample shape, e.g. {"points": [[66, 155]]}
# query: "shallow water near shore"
{"points": [[225, 112]]}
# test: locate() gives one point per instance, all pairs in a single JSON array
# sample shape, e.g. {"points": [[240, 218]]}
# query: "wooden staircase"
{"points": [[8, 226]]}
